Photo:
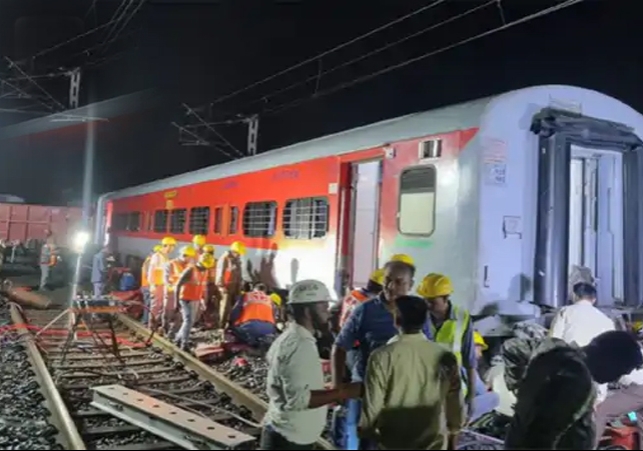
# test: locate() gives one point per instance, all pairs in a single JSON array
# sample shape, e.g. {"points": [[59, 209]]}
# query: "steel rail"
{"points": [[60, 416], [239, 395]]}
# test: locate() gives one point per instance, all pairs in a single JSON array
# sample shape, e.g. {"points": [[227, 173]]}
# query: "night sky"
{"points": [[195, 52]]}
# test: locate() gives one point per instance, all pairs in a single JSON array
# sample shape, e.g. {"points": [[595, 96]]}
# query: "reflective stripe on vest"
{"points": [[257, 306], [232, 266], [158, 271], [194, 288], [451, 334]]}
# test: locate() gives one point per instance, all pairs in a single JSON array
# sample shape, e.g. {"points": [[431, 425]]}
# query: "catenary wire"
{"points": [[407, 62], [371, 53], [328, 52]]}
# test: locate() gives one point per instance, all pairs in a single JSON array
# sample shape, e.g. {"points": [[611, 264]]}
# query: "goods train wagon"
{"points": [[503, 194]]}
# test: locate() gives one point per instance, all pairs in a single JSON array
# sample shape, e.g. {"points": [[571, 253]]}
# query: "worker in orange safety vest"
{"points": [[170, 319], [156, 278], [208, 316], [229, 280], [254, 317], [48, 259], [145, 282], [192, 290], [198, 242]]}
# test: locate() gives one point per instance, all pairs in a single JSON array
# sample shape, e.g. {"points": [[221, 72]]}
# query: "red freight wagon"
{"points": [[23, 222]]}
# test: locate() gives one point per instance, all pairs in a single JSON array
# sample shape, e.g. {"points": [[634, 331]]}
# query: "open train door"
{"points": [[590, 207]]}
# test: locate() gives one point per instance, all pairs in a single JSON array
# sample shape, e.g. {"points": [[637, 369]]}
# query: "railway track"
{"points": [[126, 359]]}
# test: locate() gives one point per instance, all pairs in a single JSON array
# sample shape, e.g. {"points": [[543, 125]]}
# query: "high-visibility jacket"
{"points": [[195, 287], [212, 273], [156, 272], [173, 270], [144, 271], [352, 300], [257, 306], [228, 270], [451, 334], [48, 254]]}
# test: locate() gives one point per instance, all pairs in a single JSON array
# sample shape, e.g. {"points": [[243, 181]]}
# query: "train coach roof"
{"points": [[453, 117]]}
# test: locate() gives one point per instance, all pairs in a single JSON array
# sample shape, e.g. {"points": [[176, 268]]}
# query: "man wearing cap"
{"points": [[371, 324], [297, 411]]}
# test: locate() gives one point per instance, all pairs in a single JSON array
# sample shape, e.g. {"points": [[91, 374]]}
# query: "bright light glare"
{"points": [[80, 240]]}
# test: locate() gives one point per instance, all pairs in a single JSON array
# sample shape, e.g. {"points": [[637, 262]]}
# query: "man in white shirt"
{"points": [[297, 411], [581, 322]]}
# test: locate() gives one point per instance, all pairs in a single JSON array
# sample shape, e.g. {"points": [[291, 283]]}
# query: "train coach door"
{"points": [[366, 182], [590, 207]]}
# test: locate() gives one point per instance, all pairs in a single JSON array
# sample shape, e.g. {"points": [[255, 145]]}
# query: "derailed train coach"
{"points": [[503, 194]]}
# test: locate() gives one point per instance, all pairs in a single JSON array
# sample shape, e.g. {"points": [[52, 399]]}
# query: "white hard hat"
{"points": [[308, 291]]}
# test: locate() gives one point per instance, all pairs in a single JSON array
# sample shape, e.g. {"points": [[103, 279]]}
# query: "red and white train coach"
{"points": [[503, 194]]}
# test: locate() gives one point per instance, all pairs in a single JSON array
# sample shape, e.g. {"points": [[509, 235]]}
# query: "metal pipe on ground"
{"points": [[24, 297]]}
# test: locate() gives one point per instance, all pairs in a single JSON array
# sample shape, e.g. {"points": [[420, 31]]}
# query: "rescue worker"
{"points": [[451, 326], [254, 317], [554, 383], [198, 242], [145, 282], [156, 277], [411, 386], [485, 400], [372, 325], [297, 397], [99, 271], [208, 316], [581, 322], [373, 289], [229, 281], [47, 260], [191, 288], [173, 270]]}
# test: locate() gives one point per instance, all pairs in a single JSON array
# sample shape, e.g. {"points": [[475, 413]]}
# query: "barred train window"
{"points": [[305, 219], [416, 215], [119, 222], [260, 219], [218, 220], [134, 222], [234, 220], [160, 221], [199, 220], [177, 220]]}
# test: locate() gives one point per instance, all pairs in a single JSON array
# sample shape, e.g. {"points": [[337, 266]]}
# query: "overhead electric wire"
{"points": [[407, 62], [35, 83], [328, 52], [125, 22], [117, 16], [374, 52]]}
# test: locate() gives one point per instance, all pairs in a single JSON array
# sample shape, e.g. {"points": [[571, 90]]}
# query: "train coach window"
{"points": [[177, 220], [199, 220], [260, 219], [305, 219], [416, 209], [134, 221], [234, 221], [119, 222], [160, 221], [218, 220]]}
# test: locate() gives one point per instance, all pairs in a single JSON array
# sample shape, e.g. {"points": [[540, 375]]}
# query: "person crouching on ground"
{"points": [[254, 317], [297, 411]]}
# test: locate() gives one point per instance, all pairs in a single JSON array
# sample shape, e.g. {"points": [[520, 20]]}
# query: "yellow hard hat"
{"points": [[402, 258], [238, 247], [168, 241], [157, 248], [187, 251], [274, 297], [208, 248], [435, 286], [637, 326], [377, 276], [198, 240], [206, 260], [479, 341]]}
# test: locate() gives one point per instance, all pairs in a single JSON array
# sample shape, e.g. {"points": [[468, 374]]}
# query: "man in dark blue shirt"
{"points": [[372, 325]]}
